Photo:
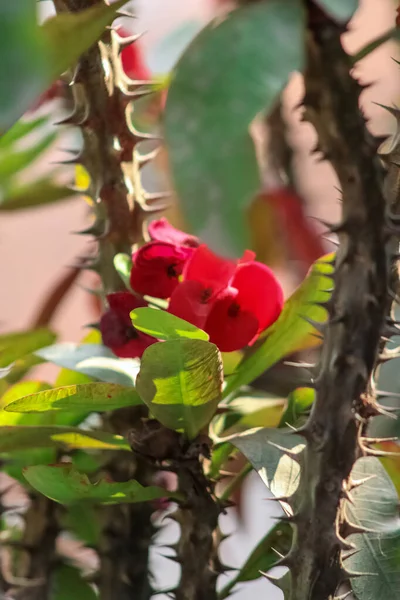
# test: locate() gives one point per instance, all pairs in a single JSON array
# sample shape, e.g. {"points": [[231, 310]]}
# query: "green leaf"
{"points": [[38, 193], [94, 360], [263, 557], [248, 411], [19, 130], [164, 326], [23, 74], [14, 393], [63, 484], [181, 381], [35, 56], [83, 521], [78, 31], [291, 332], [23, 437], [18, 345], [217, 94], [263, 449], [91, 397], [220, 455], [341, 10], [67, 583], [298, 404], [123, 266], [13, 162], [375, 507]]}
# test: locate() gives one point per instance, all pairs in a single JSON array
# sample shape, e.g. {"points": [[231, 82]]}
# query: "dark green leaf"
{"points": [[65, 485], [68, 584], [217, 94], [23, 73], [86, 397], [38, 193], [291, 332], [220, 455], [78, 31], [83, 521], [22, 437], [341, 10], [165, 326], [94, 360], [375, 506], [263, 557], [279, 472], [18, 345], [181, 381]]}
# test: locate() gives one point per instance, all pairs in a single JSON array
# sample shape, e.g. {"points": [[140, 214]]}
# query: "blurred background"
{"points": [[38, 245]]}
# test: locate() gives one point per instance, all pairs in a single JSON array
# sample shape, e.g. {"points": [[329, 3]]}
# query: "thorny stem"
{"points": [[357, 312], [197, 551], [101, 105]]}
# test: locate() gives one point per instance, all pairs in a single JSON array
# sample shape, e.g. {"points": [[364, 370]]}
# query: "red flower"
{"points": [[161, 231], [232, 302], [117, 330], [157, 267]]}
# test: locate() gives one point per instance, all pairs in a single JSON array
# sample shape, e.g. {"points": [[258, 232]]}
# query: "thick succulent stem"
{"points": [[197, 546], [357, 311]]}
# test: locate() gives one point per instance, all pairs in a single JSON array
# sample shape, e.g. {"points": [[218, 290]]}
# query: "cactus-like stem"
{"points": [[197, 547], [357, 312], [103, 98]]}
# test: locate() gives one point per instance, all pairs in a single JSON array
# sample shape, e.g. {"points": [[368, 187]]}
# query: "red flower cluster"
{"points": [[233, 301]]}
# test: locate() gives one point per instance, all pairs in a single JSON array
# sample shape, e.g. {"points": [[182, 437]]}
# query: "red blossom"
{"points": [[161, 231], [157, 267], [117, 330], [232, 302]]}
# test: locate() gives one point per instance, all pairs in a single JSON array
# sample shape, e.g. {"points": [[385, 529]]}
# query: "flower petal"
{"points": [[212, 271], [189, 301], [161, 231], [123, 303], [157, 267], [259, 292], [229, 327]]}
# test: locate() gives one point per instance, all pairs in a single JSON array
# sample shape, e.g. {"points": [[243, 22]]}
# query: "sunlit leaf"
{"points": [[66, 485], [298, 404], [85, 397], [123, 266], [292, 331], [375, 505], [264, 449], [249, 411], [14, 393], [22, 437], [94, 360], [17, 345], [165, 326], [217, 94], [181, 381]]}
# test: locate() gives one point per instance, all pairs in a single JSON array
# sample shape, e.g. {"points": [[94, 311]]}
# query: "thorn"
{"points": [[293, 455], [349, 528], [125, 13], [355, 483], [319, 326], [354, 574], [343, 596], [393, 110], [351, 553], [123, 42]]}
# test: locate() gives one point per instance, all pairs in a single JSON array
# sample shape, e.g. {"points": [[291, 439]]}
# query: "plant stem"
{"points": [[357, 312], [198, 519]]}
